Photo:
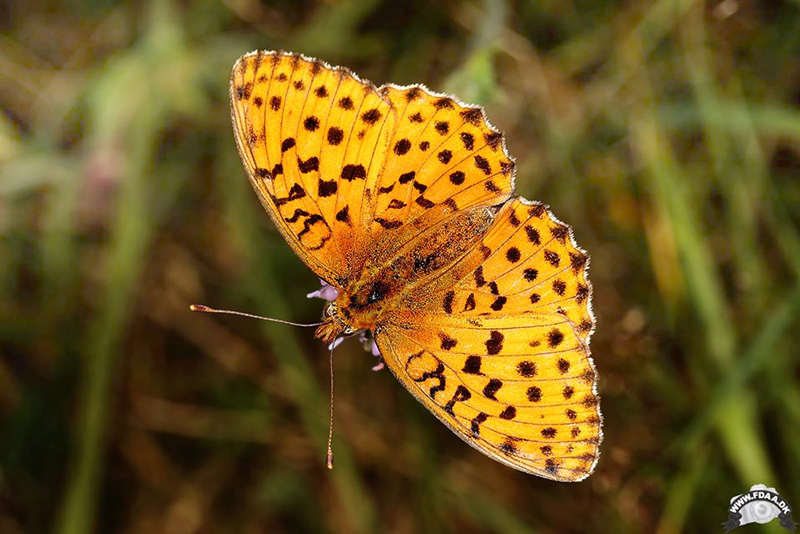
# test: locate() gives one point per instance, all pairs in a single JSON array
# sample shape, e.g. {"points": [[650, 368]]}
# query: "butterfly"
{"points": [[402, 201]]}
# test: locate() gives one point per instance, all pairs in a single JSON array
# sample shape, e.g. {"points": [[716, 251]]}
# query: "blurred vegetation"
{"points": [[666, 133]]}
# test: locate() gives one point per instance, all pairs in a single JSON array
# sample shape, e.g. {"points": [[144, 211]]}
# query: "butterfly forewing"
{"points": [[442, 153], [313, 140]]}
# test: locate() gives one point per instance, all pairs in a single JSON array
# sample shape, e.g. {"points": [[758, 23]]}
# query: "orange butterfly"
{"points": [[400, 199]]}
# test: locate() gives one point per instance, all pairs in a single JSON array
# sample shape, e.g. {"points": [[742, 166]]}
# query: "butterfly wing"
{"points": [[501, 356], [345, 168], [313, 139], [495, 345]]}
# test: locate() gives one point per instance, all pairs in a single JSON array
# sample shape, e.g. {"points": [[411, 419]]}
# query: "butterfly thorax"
{"points": [[392, 277], [360, 305]]}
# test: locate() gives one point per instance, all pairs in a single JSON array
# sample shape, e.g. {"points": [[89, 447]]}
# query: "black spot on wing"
{"points": [[476, 423], [469, 305], [492, 387], [534, 394], [533, 235], [559, 232], [335, 135], [309, 165], [560, 287], [472, 365], [412, 94], [309, 222], [555, 337], [577, 261], [406, 177], [457, 177], [552, 257], [468, 139], [509, 447], [372, 116], [444, 103], [389, 225], [493, 139], [311, 123], [471, 116], [509, 413], [287, 143], [498, 304], [479, 280], [513, 255], [352, 172], [447, 305], [296, 215], [327, 188], [483, 165], [424, 202], [346, 103], [495, 342], [296, 192], [526, 369], [582, 293], [344, 215], [402, 147]]}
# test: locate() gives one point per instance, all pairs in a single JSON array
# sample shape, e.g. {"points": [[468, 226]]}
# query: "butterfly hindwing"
{"points": [[509, 373]]}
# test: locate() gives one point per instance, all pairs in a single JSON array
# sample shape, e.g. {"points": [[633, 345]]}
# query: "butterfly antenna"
{"points": [[206, 309], [329, 457]]}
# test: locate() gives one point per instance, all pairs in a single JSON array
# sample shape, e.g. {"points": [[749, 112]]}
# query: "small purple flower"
{"points": [[368, 342], [336, 342], [326, 292]]}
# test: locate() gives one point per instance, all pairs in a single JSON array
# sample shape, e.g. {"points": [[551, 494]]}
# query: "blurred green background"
{"points": [[666, 133]]}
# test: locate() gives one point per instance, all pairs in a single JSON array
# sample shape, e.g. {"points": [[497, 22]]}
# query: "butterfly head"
{"points": [[332, 326]]}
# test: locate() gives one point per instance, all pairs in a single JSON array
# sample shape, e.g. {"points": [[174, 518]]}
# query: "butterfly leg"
{"points": [[368, 342]]}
